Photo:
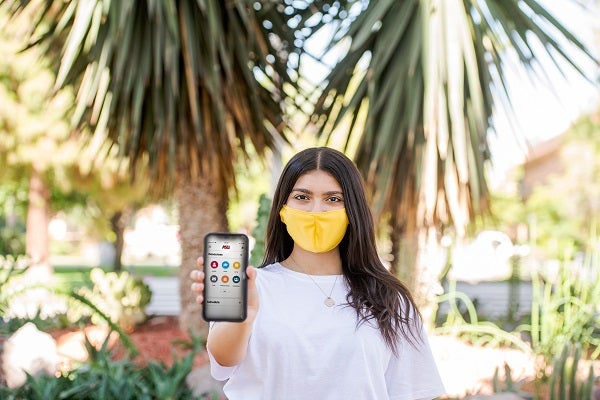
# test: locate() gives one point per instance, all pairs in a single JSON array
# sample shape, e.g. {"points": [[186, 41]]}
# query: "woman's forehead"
{"points": [[317, 179]]}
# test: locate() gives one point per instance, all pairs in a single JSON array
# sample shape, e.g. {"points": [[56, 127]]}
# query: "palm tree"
{"points": [[415, 92], [30, 125], [180, 85]]}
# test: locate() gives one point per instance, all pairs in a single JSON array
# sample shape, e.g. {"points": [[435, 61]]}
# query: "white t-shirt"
{"points": [[301, 349]]}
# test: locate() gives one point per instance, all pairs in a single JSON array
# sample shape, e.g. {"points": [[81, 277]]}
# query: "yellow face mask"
{"points": [[317, 232]]}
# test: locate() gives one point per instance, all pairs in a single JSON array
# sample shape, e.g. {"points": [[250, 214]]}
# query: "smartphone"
{"points": [[225, 283]]}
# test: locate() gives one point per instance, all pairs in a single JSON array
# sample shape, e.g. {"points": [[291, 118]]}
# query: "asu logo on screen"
{"points": [[226, 246]]}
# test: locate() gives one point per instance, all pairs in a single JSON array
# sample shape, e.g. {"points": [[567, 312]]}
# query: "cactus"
{"points": [[564, 383]]}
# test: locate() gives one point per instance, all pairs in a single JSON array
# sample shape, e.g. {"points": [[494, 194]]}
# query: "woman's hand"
{"points": [[197, 276]]}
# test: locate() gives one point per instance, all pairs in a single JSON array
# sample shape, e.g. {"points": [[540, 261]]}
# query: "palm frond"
{"points": [[181, 83], [434, 71]]}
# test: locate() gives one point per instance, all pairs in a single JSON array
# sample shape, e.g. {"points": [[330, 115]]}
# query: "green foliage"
{"points": [[565, 324], [12, 237], [42, 323], [482, 333], [77, 275], [35, 134], [556, 235], [10, 268], [252, 179], [13, 205], [104, 318], [262, 218], [103, 378], [507, 213], [34, 131], [564, 383], [567, 311], [12, 271], [508, 385], [121, 296], [563, 223]]}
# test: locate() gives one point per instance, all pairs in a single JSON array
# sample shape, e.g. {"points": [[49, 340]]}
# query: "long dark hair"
{"points": [[375, 293]]}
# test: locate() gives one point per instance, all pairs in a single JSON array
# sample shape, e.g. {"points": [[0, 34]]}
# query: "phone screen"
{"points": [[225, 262]]}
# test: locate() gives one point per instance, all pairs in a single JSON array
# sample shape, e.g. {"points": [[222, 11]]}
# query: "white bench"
{"points": [[165, 295]]}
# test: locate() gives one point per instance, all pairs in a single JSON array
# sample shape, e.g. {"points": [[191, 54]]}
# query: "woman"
{"points": [[332, 323]]}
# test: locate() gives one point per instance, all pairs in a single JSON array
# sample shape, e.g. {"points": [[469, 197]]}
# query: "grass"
{"points": [[138, 270], [74, 276]]}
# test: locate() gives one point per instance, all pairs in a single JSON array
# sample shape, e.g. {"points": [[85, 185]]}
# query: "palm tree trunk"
{"points": [[37, 238], [118, 222], [202, 209], [37, 247], [420, 262]]}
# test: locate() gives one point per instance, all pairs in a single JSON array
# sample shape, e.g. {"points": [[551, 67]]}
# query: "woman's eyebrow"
{"points": [[302, 190]]}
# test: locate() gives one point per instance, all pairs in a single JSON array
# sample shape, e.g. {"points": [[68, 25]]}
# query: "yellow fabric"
{"points": [[317, 232]]}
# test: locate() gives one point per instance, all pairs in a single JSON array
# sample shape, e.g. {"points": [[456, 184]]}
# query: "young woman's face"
{"points": [[316, 191]]}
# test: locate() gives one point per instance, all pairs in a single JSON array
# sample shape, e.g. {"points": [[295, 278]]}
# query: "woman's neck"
{"points": [[300, 260]]}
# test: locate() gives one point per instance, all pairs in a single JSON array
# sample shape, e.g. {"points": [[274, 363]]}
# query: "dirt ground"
{"points": [[158, 339]]}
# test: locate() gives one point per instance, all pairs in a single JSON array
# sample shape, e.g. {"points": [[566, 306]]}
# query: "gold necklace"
{"points": [[329, 301]]}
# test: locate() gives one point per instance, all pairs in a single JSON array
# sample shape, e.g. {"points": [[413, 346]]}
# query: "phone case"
{"points": [[225, 282]]}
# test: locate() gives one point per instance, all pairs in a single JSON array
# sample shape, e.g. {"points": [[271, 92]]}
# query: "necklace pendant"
{"points": [[329, 302]]}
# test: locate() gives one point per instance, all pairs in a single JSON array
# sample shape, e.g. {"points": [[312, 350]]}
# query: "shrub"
{"points": [[462, 321], [565, 312], [119, 295], [262, 219], [103, 378], [10, 269], [12, 238], [564, 381]]}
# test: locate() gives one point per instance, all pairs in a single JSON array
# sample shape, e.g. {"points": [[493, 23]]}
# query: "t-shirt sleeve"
{"points": [[218, 371], [413, 374]]}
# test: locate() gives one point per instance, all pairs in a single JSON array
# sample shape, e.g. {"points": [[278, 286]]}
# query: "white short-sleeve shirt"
{"points": [[301, 349]]}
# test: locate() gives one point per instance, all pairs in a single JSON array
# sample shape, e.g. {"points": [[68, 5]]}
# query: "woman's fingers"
{"points": [[197, 277], [197, 287]]}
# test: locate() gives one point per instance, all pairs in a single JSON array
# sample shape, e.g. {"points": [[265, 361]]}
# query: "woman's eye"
{"points": [[335, 199], [301, 197]]}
